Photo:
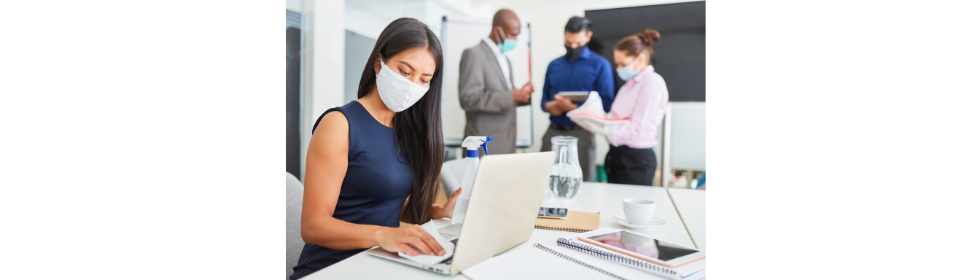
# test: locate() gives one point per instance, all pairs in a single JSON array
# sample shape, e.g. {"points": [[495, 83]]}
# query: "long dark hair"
{"points": [[419, 128]]}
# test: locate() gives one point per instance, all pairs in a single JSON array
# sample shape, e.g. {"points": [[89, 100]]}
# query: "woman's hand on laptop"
{"points": [[410, 239]]}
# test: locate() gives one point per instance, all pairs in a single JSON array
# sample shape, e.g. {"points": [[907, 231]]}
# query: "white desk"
{"points": [[607, 199], [690, 206]]}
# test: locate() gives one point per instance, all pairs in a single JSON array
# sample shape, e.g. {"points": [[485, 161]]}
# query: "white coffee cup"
{"points": [[639, 211]]}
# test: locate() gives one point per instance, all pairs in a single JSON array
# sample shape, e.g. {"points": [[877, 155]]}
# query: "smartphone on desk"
{"points": [[553, 213]]}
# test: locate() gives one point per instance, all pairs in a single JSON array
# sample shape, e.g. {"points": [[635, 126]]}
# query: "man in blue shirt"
{"points": [[579, 69]]}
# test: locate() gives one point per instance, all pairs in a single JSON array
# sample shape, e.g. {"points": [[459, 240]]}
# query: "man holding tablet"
{"points": [[578, 70]]}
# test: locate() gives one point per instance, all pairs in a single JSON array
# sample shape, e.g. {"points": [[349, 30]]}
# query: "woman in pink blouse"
{"points": [[642, 100]]}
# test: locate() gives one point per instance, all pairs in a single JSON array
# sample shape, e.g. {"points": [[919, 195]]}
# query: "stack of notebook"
{"points": [[576, 222], [574, 259], [691, 271]]}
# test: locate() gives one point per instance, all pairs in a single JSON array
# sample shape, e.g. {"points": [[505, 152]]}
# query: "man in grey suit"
{"points": [[485, 89]]}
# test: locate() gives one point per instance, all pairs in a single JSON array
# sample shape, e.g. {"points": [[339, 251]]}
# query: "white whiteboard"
{"points": [[687, 135], [458, 34]]}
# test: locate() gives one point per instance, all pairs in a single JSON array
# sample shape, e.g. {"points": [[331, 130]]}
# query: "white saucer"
{"points": [[655, 222]]}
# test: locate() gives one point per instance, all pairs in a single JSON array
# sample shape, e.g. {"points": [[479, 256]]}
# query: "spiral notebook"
{"points": [[575, 222], [537, 262], [694, 270]]}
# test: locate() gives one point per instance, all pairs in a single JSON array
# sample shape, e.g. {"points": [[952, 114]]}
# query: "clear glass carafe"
{"points": [[566, 174]]}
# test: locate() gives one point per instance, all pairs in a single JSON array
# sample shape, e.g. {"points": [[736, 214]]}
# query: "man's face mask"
{"points": [[574, 54], [507, 43]]}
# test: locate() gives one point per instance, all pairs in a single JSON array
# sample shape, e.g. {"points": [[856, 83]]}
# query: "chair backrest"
{"points": [[294, 209], [451, 174]]}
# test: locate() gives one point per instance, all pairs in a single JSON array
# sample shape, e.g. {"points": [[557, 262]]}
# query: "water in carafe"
{"points": [[566, 174], [565, 186]]}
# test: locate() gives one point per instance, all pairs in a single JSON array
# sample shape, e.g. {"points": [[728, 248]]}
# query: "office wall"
{"points": [[687, 147], [294, 5], [323, 65], [357, 49], [370, 17]]}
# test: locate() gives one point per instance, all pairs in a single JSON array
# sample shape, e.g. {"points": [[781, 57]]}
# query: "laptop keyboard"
{"points": [[450, 260]]}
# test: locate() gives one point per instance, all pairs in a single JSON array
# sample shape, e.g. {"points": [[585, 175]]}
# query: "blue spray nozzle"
{"points": [[473, 144], [484, 145]]}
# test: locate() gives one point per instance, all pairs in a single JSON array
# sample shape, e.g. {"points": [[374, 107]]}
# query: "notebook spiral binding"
{"points": [[616, 257], [563, 228], [566, 257]]}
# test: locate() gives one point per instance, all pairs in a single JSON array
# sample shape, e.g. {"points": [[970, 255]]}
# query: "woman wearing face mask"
{"points": [[642, 100], [374, 162]]}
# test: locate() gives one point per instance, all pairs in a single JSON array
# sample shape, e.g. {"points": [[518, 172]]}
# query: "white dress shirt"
{"points": [[501, 59]]}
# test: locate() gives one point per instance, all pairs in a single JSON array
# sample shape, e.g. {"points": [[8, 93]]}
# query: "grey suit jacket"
{"points": [[487, 99]]}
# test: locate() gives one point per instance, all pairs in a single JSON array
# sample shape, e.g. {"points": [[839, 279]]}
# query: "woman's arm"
{"points": [[438, 211], [326, 166]]}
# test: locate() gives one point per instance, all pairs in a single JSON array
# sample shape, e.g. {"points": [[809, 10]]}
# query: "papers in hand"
{"points": [[591, 116], [432, 259]]}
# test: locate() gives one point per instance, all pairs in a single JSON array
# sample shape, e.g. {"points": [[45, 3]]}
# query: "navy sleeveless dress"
{"points": [[377, 182]]}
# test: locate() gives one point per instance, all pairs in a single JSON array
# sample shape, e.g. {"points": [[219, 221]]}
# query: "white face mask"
{"points": [[397, 92]]}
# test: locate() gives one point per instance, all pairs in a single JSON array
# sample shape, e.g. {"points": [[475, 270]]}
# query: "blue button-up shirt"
{"points": [[590, 72]]}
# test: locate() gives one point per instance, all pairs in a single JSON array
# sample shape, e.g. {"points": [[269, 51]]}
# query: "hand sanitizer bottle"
{"points": [[472, 144]]}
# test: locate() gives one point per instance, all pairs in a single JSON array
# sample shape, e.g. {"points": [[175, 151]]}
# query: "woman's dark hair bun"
{"points": [[649, 36], [639, 43]]}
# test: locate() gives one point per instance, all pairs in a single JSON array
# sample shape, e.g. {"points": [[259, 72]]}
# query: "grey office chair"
{"points": [[294, 209], [451, 174]]}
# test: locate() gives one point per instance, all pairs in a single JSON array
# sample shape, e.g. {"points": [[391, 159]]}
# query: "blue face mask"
{"points": [[508, 44], [626, 72]]}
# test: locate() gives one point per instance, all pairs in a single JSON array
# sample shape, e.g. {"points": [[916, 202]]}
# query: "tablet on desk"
{"points": [[575, 96], [645, 248]]}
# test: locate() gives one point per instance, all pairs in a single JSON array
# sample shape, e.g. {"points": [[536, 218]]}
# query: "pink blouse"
{"points": [[642, 100]]}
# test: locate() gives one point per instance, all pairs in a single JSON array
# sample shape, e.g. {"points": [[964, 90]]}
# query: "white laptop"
{"points": [[503, 206]]}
